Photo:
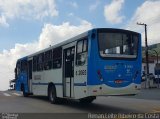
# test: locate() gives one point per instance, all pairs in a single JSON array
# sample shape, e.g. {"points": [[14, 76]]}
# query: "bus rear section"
{"points": [[114, 65]]}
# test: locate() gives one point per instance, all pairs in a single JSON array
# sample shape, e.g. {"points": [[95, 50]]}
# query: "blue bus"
{"points": [[101, 61]]}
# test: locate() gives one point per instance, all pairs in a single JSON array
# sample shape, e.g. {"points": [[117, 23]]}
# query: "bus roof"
{"points": [[74, 39]]}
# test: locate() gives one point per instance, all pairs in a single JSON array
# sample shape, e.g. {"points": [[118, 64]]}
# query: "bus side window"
{"points": [[34, 63], [40, 60], [57, 58], [48, 60], [81, 55]]}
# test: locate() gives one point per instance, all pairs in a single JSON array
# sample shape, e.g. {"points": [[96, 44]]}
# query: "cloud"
{"points": [[8, 60], [74, 4], [148, 13], [50, 35], [27, 9], [112, 12], [3, 21], [94, 6], [71, 14], [53, 34]]}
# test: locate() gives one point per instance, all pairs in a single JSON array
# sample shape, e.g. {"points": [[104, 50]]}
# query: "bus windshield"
{"points": [[118, 45]]}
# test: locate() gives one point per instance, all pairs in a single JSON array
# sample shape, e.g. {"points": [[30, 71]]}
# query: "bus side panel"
{"points": [[80, 76], [80, 81], [38, 85], [42, 79], [55, 76]]}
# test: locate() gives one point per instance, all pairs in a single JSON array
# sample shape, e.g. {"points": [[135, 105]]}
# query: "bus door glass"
{"points": [[68, 71]]}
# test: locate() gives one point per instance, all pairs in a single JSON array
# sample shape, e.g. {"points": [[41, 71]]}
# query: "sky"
{"points": [[27, 26]]}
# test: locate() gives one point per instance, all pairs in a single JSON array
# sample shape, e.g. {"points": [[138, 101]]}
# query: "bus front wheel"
{"points": [[52, 95]]}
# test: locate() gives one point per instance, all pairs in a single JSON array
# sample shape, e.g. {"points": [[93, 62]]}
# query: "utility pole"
{"points": [[146, 49]]}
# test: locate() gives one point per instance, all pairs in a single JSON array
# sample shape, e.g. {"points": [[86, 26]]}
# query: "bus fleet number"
{"points": [[81, 72]]}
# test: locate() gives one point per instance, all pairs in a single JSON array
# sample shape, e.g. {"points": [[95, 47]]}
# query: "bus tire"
{"points": [[87, 99], [52, 95]]}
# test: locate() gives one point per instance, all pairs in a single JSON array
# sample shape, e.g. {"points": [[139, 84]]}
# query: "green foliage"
{"points": [[151, 48]]}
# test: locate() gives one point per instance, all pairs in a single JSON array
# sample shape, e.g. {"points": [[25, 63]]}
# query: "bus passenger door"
{"points": [[30, 75], [68, 72]]}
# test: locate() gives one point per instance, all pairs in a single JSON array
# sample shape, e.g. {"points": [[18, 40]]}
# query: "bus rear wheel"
{"points": [[24, 92], [87, 99], [52, 95]]}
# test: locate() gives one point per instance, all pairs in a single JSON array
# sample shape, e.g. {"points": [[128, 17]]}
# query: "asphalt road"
{"points": [[11, 101], [14, 102]]}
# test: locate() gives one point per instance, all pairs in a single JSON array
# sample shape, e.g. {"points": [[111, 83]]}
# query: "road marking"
{"points": [[6, 94], [157, 110], [17, 94]]}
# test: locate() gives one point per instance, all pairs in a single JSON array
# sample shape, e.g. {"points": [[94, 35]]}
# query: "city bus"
{"points": [[98, 62]]}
